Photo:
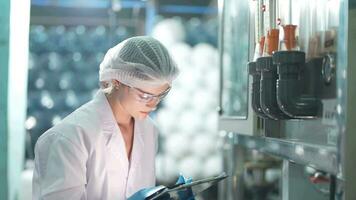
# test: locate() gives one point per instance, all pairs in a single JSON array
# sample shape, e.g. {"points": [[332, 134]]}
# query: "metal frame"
{"points": [[4, 70], [13, 92], [301, 153], [346, 92], [335, 159], [230, 123]]}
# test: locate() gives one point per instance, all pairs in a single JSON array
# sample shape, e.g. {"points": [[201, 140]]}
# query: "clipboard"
{"points": [[178, 191]]}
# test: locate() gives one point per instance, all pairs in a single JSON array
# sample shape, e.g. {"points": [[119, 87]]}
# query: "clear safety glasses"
{"points": [[145, 97]]}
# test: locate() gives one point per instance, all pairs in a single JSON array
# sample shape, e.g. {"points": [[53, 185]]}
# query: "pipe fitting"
{"points": [[268, 91], [255, 90], [291, 95]]}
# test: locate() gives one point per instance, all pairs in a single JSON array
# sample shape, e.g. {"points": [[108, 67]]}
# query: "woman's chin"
{"points": [[142, 115]]}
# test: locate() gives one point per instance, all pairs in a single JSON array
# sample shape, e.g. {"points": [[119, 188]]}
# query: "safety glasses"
{"points": [[146, 97]]}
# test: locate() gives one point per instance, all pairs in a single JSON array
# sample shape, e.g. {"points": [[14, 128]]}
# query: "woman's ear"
{"points": [[115, 83]]}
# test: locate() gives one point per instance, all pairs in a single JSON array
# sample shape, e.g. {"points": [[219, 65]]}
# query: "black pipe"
{"points": [[291, 96], [255, 90], [268, 91], [332, 187]]}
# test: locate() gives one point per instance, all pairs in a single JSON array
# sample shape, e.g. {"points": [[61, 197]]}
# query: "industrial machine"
{"points": [[287, 82]]}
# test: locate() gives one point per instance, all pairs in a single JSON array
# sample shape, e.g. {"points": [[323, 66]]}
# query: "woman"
{"points": [[106, 148]]}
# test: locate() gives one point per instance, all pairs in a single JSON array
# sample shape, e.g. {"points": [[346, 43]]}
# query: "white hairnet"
{"points": [[138, 61]]}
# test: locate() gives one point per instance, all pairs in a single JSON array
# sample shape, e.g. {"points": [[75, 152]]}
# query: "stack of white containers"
{"points": [[188, 118]]}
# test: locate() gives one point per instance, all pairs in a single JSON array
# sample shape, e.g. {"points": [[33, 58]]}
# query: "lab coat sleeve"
{"points": [[60, 169]]}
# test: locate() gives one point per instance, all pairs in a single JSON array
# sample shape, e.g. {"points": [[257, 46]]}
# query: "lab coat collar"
{"points": [[111, 129]]}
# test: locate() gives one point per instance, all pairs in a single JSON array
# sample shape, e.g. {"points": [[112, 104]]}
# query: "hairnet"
{"points": [[138, 61]]}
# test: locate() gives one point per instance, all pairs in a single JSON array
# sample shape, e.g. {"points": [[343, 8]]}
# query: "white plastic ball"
{"points": [[169, 31], [203, 145], [211, 80], [176, 100], [203, 102], [190, 121], [181, 54], [166, 121], [211, 122], [204, 55], [213, 165], [190, 80], [190, 167], [177, 145], [166, 168]]}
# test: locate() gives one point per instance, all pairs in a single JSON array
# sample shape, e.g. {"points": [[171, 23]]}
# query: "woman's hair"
{"points": [[107, 86]]}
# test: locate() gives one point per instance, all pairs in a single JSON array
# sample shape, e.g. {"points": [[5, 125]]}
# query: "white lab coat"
{"points": [[84, 157]]}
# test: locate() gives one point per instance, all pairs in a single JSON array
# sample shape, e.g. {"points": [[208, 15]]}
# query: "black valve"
{"points": [[296, 91], [255, 93], [268, 94]]}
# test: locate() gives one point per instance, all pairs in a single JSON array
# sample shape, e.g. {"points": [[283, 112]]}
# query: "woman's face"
{"points": [[139, 102]]}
